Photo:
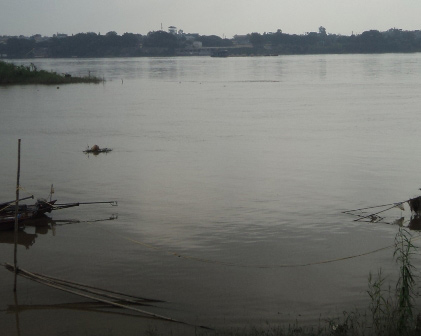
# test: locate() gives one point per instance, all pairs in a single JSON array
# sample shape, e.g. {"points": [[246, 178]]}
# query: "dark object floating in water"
{"points": [[96, 150]]}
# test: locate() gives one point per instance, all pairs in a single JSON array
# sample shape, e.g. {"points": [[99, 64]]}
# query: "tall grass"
{"points": [[14, 74], [392, 310], [405, 287]]}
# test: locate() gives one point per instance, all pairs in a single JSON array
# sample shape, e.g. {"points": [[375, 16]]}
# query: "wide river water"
{"points": [[231, 176]]}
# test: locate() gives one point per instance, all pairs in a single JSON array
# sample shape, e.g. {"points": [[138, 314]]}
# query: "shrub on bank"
{"points": [[14, 74]]}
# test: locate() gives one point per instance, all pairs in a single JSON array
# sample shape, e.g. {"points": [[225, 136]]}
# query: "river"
{"points": [[231, 176]]}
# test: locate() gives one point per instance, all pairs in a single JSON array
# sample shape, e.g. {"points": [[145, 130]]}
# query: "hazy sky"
{"points": [[206, 17]]}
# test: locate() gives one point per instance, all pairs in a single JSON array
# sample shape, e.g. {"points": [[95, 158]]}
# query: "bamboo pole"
{"points": [[16, 219], [17, 313], [377, 206]]}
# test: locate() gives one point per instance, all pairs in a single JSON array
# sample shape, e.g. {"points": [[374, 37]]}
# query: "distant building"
{"points": [[191, 37], [241, 39], [58, 35], [172, 30], [39, 38], [40, 52], [197, 44]]}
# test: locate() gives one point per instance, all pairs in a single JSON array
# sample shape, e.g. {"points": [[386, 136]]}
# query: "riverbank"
{"points": [[13, 74]]}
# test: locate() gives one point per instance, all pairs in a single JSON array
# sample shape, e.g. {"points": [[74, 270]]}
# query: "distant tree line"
{"points": [[160, 43], [372, 41], [79, 45], [157, 43]]}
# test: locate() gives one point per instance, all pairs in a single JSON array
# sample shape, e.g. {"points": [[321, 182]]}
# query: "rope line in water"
{"points": [[232, 264], [224, 263]]}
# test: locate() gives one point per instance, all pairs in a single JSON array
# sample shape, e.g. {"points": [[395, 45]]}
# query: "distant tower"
{"points": [[172, 30]]}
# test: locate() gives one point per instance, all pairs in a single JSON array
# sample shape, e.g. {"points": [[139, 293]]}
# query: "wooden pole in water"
{"points": [[16, 218]]}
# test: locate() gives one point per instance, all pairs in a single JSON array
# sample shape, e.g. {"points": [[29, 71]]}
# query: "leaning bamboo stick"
{"points": [[96, 307], [92, 290], [96, 292], [39, 279], [99, 289]]}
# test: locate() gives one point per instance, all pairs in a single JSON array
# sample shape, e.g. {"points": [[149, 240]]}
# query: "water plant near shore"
{"points": [[391, 312], [405, 286], [14, 74]]}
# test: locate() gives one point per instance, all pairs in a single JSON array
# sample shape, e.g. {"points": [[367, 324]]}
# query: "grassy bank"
{"points": [[14, 74]]}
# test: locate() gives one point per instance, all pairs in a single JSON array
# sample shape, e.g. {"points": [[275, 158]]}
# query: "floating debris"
{"points": [[96, 150]]}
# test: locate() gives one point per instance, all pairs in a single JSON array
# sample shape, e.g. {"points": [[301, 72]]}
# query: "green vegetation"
{"points": [[13, 74]]}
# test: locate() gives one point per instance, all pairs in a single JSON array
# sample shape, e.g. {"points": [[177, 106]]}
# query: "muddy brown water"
{"points": [[230, 175]]}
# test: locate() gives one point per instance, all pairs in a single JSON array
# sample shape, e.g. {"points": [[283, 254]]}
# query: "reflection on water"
{"points": [[97, 307], [15, 296], [415, 223], [42, 226], [24, 238]]}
